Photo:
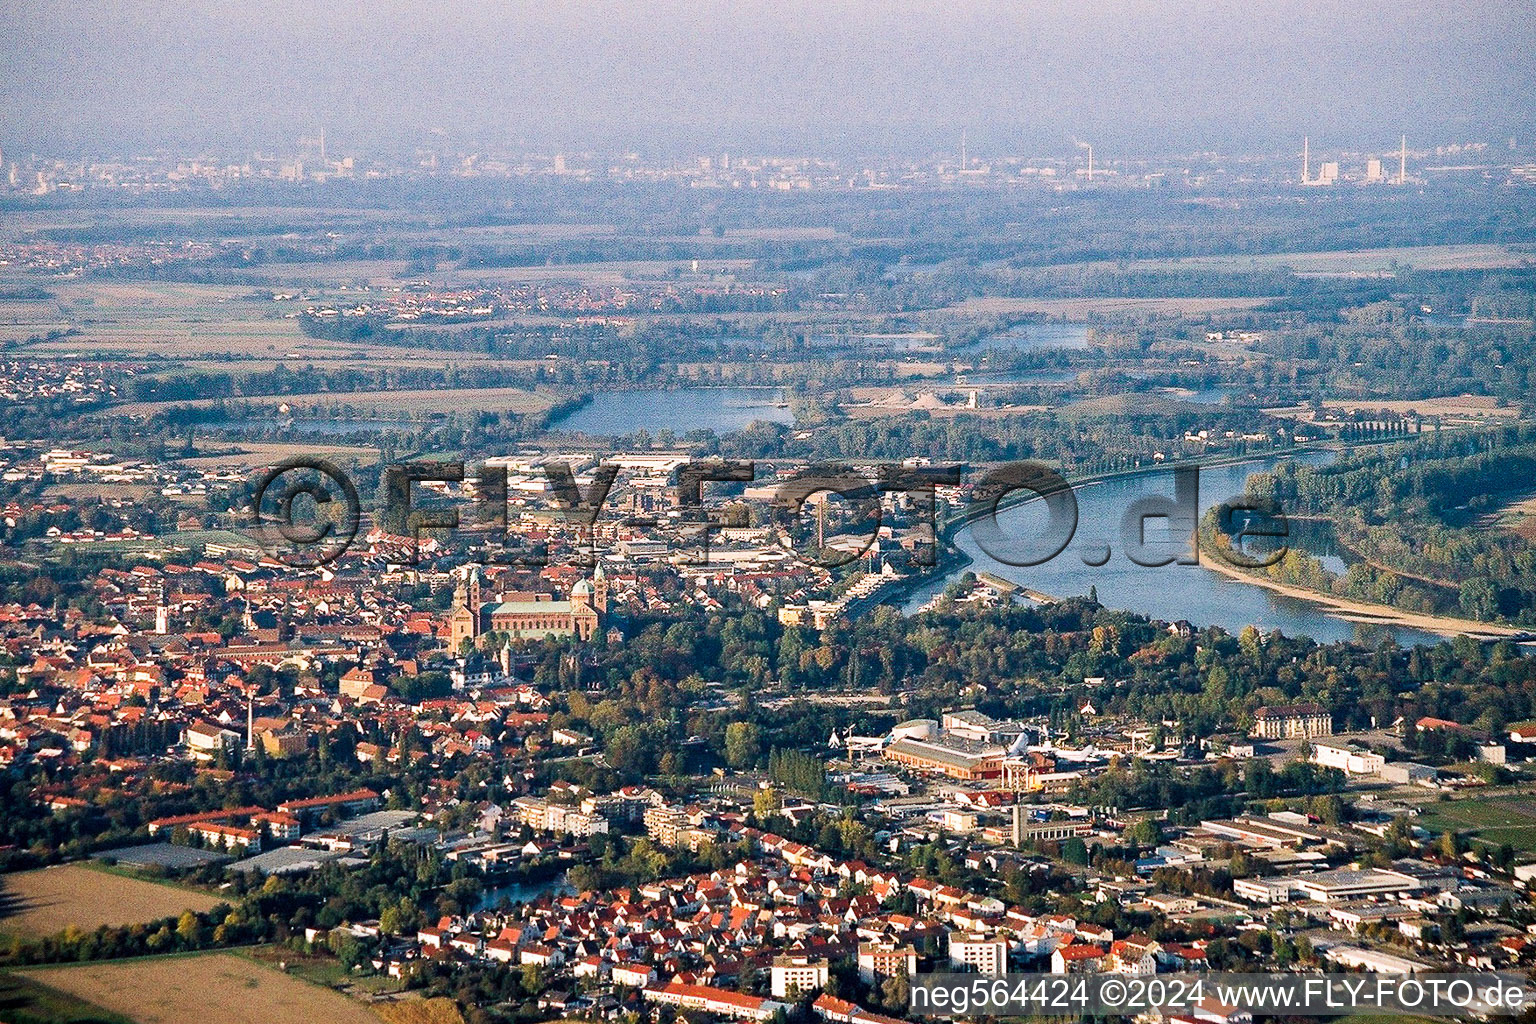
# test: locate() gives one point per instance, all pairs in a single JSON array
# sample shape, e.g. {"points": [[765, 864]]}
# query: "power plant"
{"points": [[1329, 171]]}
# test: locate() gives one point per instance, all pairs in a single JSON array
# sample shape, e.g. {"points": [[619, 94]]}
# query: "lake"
{"points": [[614, 413], [524, 892], [1201, 396], [1033, 335], [1171, 592]]}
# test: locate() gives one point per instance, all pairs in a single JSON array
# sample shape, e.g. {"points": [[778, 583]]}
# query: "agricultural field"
{"points": [[424, 401], [215, 988], [597, 275], [147, 319], [85, 492], [1073, 309], [155, 337], [420, 1011], [1460, 410], [24, 1001], [49, 900], [940, 401], [188, 327], [1476, 256], [348, 357], [254, 454], [1518, 516]]}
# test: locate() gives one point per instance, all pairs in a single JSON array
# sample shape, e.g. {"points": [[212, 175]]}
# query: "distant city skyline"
{"points": [[1132, 76], [317, 146], [310, 159]]}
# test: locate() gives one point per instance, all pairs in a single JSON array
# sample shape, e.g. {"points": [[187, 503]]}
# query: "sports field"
{"points": [[1494, 821]]}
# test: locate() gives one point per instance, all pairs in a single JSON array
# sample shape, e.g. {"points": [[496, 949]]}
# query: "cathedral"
{"points": [[528, 615]]}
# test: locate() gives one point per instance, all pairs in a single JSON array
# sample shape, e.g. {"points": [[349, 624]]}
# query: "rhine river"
{"points": [[1172, 592]]}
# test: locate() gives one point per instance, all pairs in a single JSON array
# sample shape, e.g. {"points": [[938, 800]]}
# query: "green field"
{"points": [[1492, 821], [320, 969]]}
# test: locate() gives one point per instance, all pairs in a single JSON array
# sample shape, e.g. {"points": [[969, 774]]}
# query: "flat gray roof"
{"points": [[285, 860], [164, 855]]}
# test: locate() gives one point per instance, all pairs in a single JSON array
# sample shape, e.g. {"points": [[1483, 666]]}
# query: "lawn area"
{"points": [[49, 900], [319, 969], [210, 988], [1491, 821], [23, 1001]]}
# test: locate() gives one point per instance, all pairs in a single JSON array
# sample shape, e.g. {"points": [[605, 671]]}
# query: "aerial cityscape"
{"points": [[790, 515]]}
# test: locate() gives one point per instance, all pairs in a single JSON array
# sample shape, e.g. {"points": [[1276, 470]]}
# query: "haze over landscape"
{"points": [[1136, 75]]}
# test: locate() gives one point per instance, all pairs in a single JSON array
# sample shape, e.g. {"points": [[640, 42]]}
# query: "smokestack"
{"points": [[1402, 162], [1306, 160]]}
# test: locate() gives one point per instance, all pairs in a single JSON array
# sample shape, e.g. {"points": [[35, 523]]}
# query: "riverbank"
{"points": [[951, 560], [1364, 612]]}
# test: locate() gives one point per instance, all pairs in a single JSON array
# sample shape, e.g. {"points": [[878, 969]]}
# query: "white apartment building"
{"points": [[978, 952], [797, 975]]}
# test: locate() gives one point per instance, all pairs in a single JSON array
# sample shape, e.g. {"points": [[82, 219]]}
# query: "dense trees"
{"points": [[652, 693], [1416, 520]]}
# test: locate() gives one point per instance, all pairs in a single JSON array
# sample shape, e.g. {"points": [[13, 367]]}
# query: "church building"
{"points": [[528, 615]]}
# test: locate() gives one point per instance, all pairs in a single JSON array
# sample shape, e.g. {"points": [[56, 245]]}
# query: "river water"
{"points": [[1172, 592], [524, 892], [721, 409]]}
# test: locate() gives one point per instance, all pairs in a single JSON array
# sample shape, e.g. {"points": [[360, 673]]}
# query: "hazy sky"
{"points": [[1131, 75]]}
